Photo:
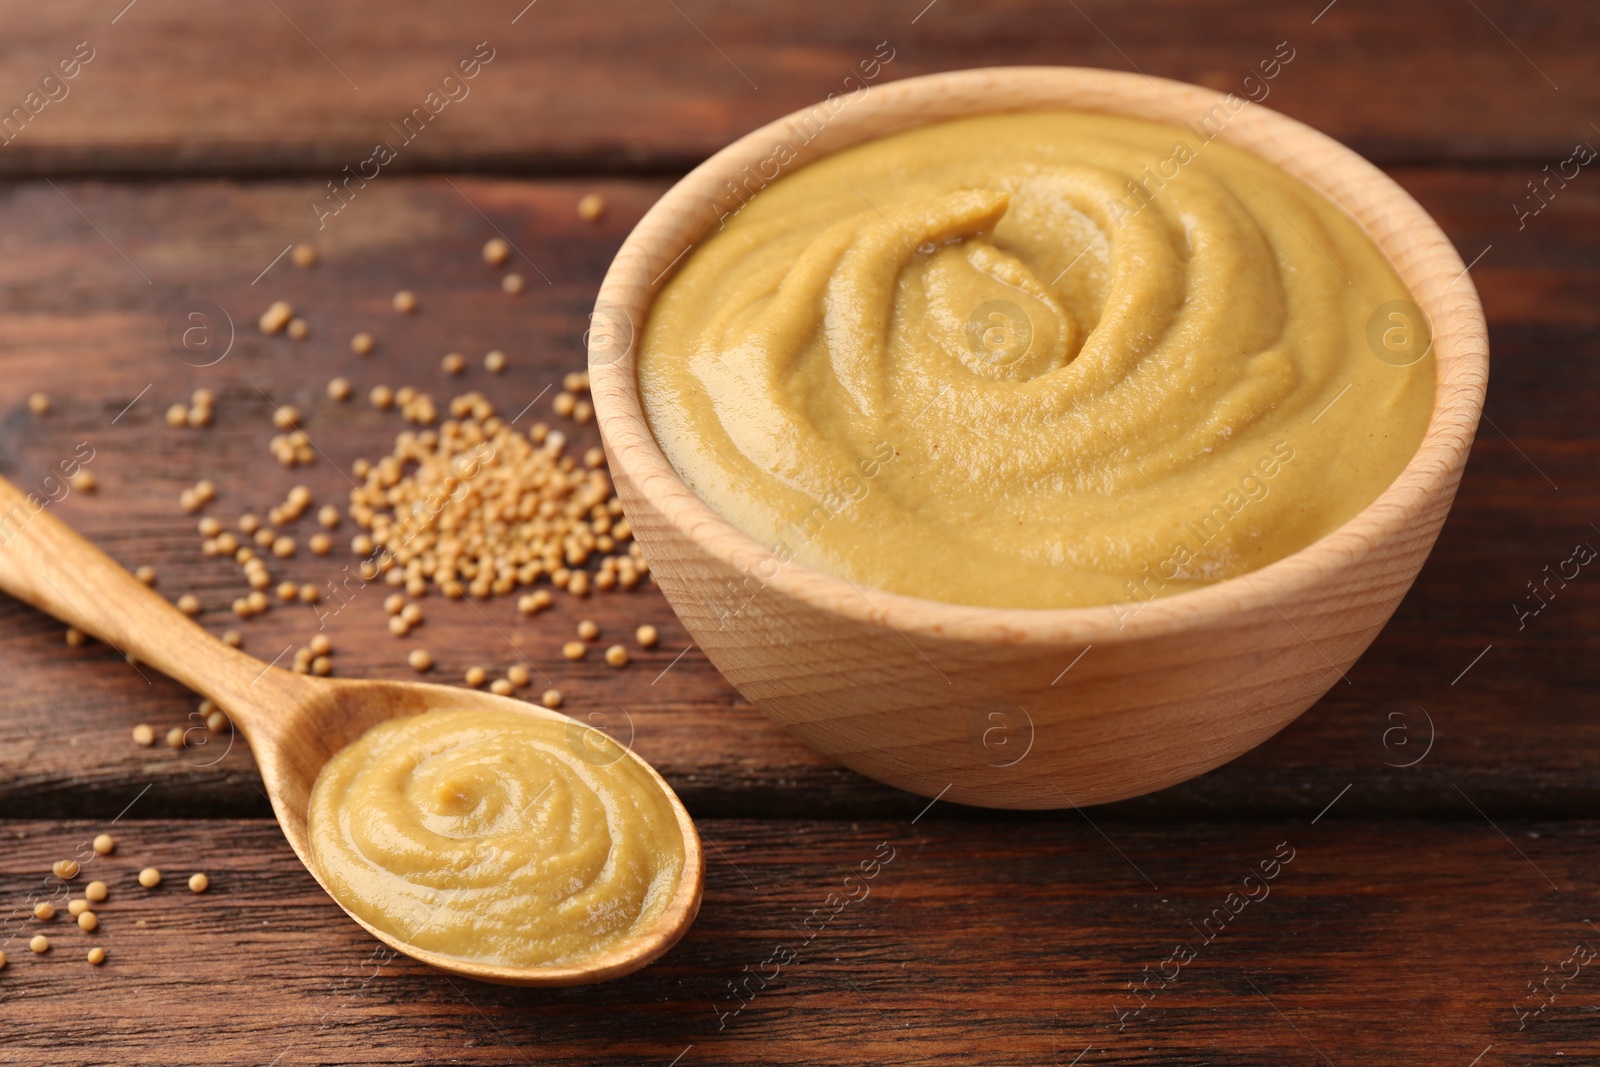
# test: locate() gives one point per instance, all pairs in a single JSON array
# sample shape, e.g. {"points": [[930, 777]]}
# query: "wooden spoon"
{"points": [[293, 722]]}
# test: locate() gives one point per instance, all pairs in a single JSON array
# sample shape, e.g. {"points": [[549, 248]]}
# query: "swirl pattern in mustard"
{"points": [[1037, 360]]}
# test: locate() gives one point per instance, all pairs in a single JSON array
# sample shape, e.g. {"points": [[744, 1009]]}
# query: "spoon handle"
{"points": [[44, 562]]}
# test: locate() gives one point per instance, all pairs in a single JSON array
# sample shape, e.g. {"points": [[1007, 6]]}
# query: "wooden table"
{"points": [[1433, 823]]}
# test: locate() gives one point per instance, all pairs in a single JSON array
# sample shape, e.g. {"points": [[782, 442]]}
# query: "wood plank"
{"points": [[1384, 942], [1517, 731], [177, 86]]}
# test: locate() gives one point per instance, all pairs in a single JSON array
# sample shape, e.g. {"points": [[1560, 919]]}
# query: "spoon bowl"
{"points": [[294, 722]]}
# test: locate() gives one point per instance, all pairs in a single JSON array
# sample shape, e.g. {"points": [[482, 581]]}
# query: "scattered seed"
{"points": [[576, 381], [105, 844], [88, 921], [286, 417], [97, 955], [500, 687], [217, 722], [394, 603], [75, 637], [299, 329], [511, 283], [398, 626], [84, 480], [276, 317], [574, 650], [44, 911], [617, 656], [144, 736], [588, 630], [412, 613], [77, 907], [382, 397], [454, 363], [405, 302], [582, 411], [322, 666], [283, 547], [518, 676], [551, 698], [320, 544], [39, 403], [475, 675], [303, 255], [321, 645], [149, 877], [647, 636], [494, 362], [199, 883], [563, 404], [39, 943], [420, 660], [198, 416], [66, 870], [176, 738], [309, 594], [591, 206], [362, 344], [339, 389], [189, 604], [496, 251], [95, 892]]}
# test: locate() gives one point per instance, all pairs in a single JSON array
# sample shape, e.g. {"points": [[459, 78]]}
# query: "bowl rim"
{"points": [[1412, 241]]}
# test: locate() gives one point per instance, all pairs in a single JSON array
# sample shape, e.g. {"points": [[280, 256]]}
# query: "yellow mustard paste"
{"points": [[1037, 360], [496, 837]]}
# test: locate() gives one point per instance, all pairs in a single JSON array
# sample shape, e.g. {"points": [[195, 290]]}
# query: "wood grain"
{"points": [[1381, 942], [79, 322], [301, 87]]}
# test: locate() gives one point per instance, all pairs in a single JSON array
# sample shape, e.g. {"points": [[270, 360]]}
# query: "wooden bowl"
{"points": [[977, 704]]}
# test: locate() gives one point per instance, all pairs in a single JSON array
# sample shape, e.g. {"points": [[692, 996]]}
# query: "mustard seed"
{"points": [[362, 344], [149, 877], [454, 363], [287, 590], [398, 626], [233, 639], [322, 666], [405, 302], [500, 687], [412, 613], [88, 921], [75, 637], [39, 403], [321, 645], [551, 698], [97, 955], [563, 404], [647, 636], [39, 943], [105, 844], [77, 907], [276, 317], [496, 251], [198, 416], [382, 397], [2, 961], [320, 544], [494, 362], [95, 892], [44, 911], [283, 547], [511, 283], [66, 870], [199, 883], [217, 722], [189, 604], [588, 630], [299, 329], [617, 656], [188, 501], [582, 411], [475, 676], [394, 603], [84, 480], [143, 736], [286, 417], [339, 389], [591, 206], [303, 255], [420, 660], [574, 650], [576, 381], [328, 516], [177, 415], [176, 738]]}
